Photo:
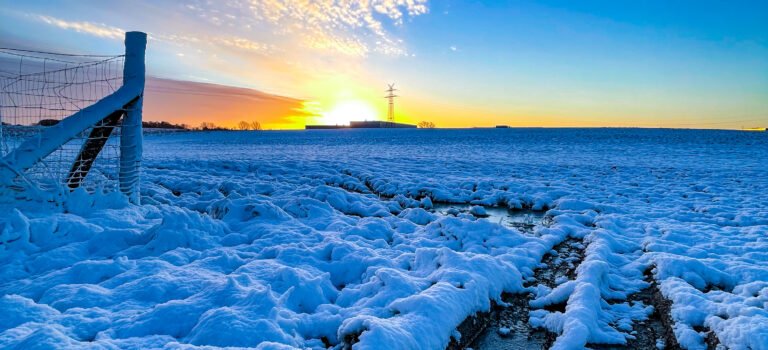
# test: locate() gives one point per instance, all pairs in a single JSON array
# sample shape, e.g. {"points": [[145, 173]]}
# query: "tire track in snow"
{"points": [[507, 326], [654, 333]]}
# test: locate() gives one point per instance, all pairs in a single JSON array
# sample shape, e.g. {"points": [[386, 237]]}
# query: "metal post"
{"points": [[131, 133]]}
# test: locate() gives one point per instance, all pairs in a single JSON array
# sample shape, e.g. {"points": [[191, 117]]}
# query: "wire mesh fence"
{"points": [[39, 89]]}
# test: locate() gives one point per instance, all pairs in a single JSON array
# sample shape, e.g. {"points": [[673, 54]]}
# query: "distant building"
{"points": [[376, 124], [380, 125], [309, 127]]}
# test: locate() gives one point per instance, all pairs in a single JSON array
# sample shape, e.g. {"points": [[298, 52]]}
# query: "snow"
{"points": [[477, 210], [298, 239]]}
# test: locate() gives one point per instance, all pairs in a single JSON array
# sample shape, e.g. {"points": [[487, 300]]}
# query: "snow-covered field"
{"points": [[312, 238]]}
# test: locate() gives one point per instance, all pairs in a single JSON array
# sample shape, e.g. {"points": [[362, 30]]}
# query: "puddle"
{"points": [[522, 219]]}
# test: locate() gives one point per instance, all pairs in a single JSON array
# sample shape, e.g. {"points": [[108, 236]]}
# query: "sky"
{"points": [[689, 64]]}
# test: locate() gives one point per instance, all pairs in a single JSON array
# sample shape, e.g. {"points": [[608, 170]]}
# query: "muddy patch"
{"points": [[507, 326], [655, 332]]}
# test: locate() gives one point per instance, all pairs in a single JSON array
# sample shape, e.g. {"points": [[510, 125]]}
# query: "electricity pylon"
{"points": [[391, 97]]}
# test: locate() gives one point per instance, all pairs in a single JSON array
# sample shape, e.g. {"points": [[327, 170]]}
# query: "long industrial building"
{"points": [[376, 124]]}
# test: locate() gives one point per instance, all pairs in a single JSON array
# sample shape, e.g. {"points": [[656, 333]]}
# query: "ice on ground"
{"points": [[309, 239]]}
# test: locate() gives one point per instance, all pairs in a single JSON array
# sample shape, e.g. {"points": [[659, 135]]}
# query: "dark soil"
{"points": [[484, 330], [657, 326]]}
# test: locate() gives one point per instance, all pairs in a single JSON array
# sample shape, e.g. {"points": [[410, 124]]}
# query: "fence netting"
{"points": [[39, 89]]}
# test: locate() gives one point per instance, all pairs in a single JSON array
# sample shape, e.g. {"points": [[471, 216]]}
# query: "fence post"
{"points": [[131, 133]]}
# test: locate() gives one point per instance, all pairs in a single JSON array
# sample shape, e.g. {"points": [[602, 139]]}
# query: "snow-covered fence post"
{"points": [[131, 132], [2, 137]]}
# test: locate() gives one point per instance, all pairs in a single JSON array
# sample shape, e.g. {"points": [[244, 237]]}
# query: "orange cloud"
{"points": [[186, 102]]}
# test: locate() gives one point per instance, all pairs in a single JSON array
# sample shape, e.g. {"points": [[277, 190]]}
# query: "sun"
{"points": [[346, 111]]}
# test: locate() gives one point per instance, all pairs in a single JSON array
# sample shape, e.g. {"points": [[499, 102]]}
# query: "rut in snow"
{"points": [[655, 332], [507, 327]]}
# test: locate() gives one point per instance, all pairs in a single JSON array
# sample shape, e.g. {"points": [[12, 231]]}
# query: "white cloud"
{"points": [[97, 29], [244, 44], [105, 31], [346, 46], [353, 28], [453, 48], [349, 27]]}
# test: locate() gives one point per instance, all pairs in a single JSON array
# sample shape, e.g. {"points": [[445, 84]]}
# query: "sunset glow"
{"points": [[347, 111], [458, 64]]}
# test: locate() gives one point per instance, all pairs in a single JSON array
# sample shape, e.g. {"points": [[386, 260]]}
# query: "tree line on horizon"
{"points": [[426, 125], [204, 126]]}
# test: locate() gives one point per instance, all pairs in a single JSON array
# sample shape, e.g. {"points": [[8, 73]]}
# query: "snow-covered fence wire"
{"points": [[71, 120]]}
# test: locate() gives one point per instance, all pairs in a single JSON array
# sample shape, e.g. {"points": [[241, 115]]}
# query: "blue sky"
{"points": [[527, 63]]}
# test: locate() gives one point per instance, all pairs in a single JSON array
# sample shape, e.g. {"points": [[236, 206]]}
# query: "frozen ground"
{"points": [[328, 238]]}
